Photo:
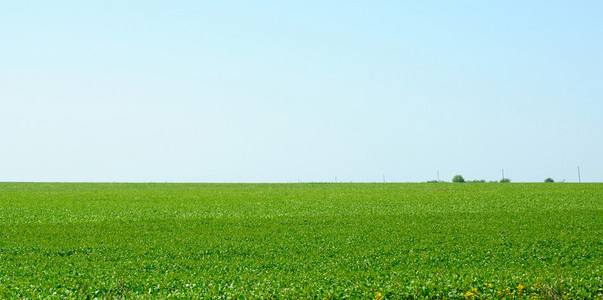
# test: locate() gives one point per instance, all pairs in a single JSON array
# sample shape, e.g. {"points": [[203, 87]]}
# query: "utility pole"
{"points": [[579, 174], [383, 178], [503, 173], [438, 175]]}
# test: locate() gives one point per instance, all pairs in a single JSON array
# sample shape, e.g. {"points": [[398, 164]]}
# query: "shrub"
{"points": [[458, 178], [505, 180], [549, 180]]}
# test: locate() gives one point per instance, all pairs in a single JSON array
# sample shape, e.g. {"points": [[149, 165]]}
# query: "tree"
{"points": [[549, 180], [505, 180], [458, 178]]}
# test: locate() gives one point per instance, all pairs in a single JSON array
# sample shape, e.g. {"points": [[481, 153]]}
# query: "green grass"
{"points": [[73, 240]]}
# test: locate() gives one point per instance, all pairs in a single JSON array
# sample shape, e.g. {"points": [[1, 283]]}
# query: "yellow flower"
{"points": [[378, 296], [520, 287], [469, 294]]}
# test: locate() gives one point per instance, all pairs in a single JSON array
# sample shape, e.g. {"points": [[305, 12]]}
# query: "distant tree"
{"points": [[549, 180], [505, 180], [458, 178]]}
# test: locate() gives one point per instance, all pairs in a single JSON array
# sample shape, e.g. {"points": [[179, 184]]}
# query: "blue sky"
{"points": [[282, 91]]}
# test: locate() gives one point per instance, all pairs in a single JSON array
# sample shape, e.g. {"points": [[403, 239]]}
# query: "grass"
{"points": [[371, 241]]}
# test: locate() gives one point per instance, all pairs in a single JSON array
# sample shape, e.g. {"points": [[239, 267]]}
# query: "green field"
{"points": [[391, 241]]}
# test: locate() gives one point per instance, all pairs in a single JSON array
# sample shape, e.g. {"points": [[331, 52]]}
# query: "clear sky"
{"points": [[288, 91]]}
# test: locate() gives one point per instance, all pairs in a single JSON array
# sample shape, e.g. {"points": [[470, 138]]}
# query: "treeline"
{"points": [[459, 179]]}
